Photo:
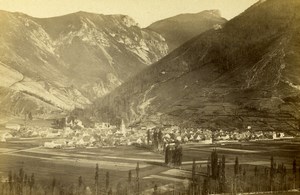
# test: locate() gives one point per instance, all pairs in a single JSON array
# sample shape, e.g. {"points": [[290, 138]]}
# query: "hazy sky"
{"points": [[143, 11]]}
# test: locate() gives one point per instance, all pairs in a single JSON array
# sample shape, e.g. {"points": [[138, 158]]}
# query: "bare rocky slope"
{"points": [[245, 74], [181, 28], [54, 64]]}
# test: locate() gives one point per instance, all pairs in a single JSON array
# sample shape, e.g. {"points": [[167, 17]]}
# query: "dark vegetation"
{"points": [[217, 177]]}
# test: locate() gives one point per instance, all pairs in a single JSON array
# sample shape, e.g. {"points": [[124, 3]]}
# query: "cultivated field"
{"points": [[66, 165]]}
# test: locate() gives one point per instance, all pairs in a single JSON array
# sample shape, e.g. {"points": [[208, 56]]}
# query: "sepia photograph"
{"points": [[149, 97]]}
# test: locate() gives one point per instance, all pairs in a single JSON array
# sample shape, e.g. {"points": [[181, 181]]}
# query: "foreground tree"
{"points": [[272, 173], [96, 179], [138, 177], [236, 174], [107, 181], [294, 173], [129, 176], [222, 181], [214, 164], [31, 183], [53, 185]]}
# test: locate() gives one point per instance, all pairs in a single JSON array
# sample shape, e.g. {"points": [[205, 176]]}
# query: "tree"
{"points": [[208, 167], [30, 116], [193, 182], [236, 166], [155, 139], [96, 179], [110, 191], [214, 164], [25, 179], [10, 180], [160, 137], [256, 178], [31, 183], [179, 155], [53, 185], [255, 171], [20, 181], [107, 180], [148, 136], [236, 172], [167, 160], [137, 177], [205, 188], [80, 185], [299, 175], [272, 172], [129, 176], [294, 172], [80, 181], [244, 173], [155, 190], [222, 175]]}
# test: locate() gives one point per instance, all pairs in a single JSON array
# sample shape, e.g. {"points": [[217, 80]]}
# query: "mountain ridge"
{"points": [[70, 60], [180, 28], [233, 77]]}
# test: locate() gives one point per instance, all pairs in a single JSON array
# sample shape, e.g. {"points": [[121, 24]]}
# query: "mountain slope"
{"points": [[243, 74], [65, 62], [179, 29]]}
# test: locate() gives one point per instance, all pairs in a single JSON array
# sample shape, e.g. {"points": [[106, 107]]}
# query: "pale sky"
{"points": [[143, 11]]}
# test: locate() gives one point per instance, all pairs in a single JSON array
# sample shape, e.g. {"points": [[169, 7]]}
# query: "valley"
{"points": [[67, 165], [191, 104]]}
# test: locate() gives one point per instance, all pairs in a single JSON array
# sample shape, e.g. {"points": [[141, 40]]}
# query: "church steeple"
{"points": [[123, 128]]}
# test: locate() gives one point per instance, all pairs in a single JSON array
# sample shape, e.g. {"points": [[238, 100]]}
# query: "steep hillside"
{"points": [[59, 63], [244, 74], [181, 28]]}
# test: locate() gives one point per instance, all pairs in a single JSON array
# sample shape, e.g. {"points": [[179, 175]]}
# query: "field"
{"points": [[66, 165]]}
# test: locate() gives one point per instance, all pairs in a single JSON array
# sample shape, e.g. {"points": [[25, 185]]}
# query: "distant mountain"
{"points": [[179, 29], [53, 64], [245, 74]]}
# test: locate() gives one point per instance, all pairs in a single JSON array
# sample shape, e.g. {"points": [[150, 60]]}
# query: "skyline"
{"points": [[142, 11]]}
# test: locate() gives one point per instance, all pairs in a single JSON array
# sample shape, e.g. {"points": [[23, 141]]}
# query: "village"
{"points": [[73, 134]]}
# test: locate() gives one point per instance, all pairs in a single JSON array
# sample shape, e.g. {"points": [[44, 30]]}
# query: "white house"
{"points": [[13, 126]]}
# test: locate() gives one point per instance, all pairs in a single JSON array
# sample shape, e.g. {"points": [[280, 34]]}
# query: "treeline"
{"points": [[172, 151], [214, 178], [219, 178], [20, 183]]}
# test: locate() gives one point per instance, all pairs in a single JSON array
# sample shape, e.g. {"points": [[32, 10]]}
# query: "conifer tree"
{"points": [[31, 183], [214, 164], [193, 182], [222, 175], [148, 136], [53, 185], [294, 172], [10, 181], [96, 179], [236, 166], [80, 181], [107, 180], [129, 176], [138, 177], [236, 174], [272, 172]]}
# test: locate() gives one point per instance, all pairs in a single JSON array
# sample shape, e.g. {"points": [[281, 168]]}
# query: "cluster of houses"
{"points": [[102, 135], [205, 136], [75, 134]]}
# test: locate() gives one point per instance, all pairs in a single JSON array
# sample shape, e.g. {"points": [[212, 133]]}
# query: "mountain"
{"points": [[53, 64], [179, 29], [245, 74]]}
